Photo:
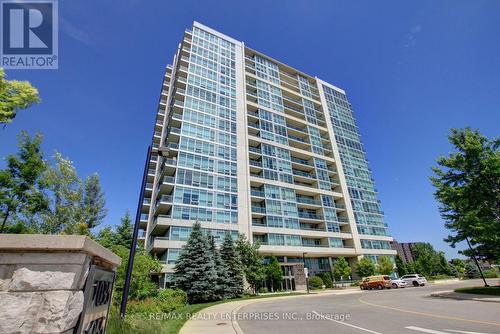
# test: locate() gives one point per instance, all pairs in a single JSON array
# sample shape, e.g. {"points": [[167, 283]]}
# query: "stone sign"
{"points": [[47, 282], [97, 295]]}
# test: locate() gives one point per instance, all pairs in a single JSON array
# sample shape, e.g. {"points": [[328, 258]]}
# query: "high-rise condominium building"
{"points": [[245, 144]]}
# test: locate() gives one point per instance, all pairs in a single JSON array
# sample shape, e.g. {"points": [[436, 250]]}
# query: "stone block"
{"points": [[59, 311], [18, 311], [24, 279]]}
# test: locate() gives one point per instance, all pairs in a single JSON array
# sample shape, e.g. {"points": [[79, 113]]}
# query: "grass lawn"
{"points": [[172, 325], [481, 290]]}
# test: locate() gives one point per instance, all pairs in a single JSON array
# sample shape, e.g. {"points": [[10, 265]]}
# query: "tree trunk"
{"points": [[5, 220]]}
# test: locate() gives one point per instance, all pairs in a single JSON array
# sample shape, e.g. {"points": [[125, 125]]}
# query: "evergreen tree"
{"points": [[385, 266], [21, 188], [222, 287], [365, 267], [124, 231], [232, 263], [195, 269], [341, 269], [106, 237], [93, 202], [274, 273], [471, 270], [401, 266], [253, 266]]}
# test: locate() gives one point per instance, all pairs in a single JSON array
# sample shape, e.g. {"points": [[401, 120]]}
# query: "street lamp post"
{"points": [[305, 271]]}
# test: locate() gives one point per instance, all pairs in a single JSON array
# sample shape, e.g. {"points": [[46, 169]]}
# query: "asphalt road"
{"points": [[409, 310]]}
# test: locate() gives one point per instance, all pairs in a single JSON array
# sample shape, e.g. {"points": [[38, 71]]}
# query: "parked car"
{"points": [[376, 282], [414, 279], [398, 283]]}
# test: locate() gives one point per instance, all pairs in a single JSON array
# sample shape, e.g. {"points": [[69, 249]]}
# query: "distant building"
{"points": [[404, 250]]}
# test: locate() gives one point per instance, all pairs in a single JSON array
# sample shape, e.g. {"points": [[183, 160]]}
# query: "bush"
{"points": [[166, 301], [327, 279], [263, 290], [171, 299], [356, 283], [315, 282], [441, 276], [492, 273]]}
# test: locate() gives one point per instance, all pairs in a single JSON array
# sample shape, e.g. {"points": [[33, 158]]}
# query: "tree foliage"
{"points": [[22, 198], [195, 271], [401, 267], [94, 202], [365, 267], [467, 186], [385, 266], [274, 273], [232, 263], [14, 96], [253, 266], [341, 269]]}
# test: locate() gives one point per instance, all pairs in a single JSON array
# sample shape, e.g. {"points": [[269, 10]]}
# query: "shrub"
{"points": [[166, 301], [315, 282], [171, 299], [356, 283], [441, 276], [327, 279], [263, 290], [492, 273]]}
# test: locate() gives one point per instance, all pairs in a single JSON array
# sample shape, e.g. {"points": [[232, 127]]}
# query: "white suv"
{"points": [[414, 279]]}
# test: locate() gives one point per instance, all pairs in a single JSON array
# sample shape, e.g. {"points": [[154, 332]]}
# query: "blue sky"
{"points": [[411, 71]]}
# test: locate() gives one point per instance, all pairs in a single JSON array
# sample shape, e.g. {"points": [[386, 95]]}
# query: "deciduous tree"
{"points": [[14, 96], [385, 266], [467, 186], [253, 266], [341, 269], [365, 267]]}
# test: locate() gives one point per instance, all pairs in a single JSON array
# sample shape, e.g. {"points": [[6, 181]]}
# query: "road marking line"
{"points": [[346, 324], [430, 314], [425, 330], [464, 332]]}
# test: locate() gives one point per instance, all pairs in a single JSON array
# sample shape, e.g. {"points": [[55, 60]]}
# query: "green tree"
{"points": [[425, 259], [327, 279], [471, 270], [124, 231], [232, 262], [385, 266], [401, 267], [65, 215], [341, 269], [195, 271], [273, 272], [442, 265], [365, 267], [106, 237], [141, 285], [93, 203], [14, 96], [21, 191], [223, 281], [467, 186], [253, 266]]}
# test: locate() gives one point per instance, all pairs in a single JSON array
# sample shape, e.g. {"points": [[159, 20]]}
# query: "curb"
{"points": [[450, 294]]}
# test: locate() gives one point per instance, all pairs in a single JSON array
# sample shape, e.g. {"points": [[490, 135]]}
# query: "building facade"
{"points": [[404, 250], [245, 144]]}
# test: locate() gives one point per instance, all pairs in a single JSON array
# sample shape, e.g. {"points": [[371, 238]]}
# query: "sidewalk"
{"points": [[465, 296], [222, 318]]}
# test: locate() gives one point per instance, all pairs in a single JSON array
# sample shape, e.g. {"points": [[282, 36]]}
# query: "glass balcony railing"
{"points": [[306, 200], [258, 209], [144, 217], [310, 215], [257, 193], [254, 149]]}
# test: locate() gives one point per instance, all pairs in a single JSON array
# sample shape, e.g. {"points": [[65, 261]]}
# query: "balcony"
{"points": [[164, 203], [309, 215], [306, 200], [258, 210]]}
